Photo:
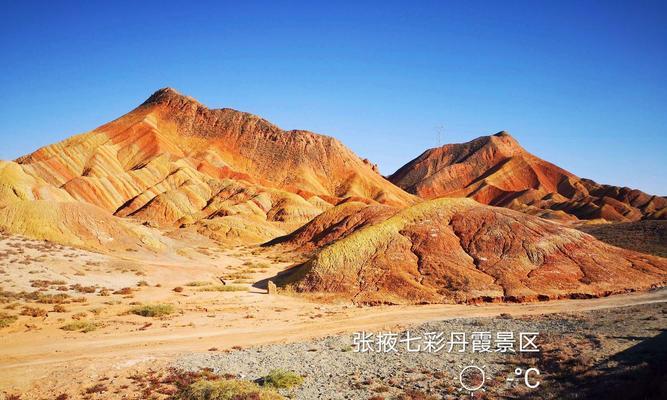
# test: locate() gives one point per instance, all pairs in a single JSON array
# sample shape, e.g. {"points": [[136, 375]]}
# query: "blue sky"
{"points": [[582, 84]]}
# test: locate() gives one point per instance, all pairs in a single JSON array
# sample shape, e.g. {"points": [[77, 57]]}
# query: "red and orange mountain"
{"points": [[457, 250], [218, 143], [172, 162], [496, 170]]}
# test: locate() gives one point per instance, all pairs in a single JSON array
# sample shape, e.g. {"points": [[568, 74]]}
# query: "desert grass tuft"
{"points": [[153, 310], [223, 389], [7, 319], [198, 283], [282, 379], [80, 326], [224, 288]]}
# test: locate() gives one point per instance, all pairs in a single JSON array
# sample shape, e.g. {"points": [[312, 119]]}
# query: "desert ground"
{"points": [[80, 324]]}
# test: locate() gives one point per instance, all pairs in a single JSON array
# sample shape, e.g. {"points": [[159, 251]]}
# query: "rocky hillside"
{"points": [[457, 250]]}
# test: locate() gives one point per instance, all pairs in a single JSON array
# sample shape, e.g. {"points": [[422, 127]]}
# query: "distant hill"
{"points": [[496, 170], [646, 236]]}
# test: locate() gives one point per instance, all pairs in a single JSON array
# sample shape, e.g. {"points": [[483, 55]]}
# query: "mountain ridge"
{"points": [[173, 162], [496, 170]]}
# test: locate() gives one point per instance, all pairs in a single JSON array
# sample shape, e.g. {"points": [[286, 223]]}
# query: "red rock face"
{"points": [[334, 224], [496, 170], [456, 250]]}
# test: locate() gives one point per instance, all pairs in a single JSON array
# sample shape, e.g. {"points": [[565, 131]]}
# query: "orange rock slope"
{"points": [[173, 162], [496, 170], [170, 137], [457, 250]]}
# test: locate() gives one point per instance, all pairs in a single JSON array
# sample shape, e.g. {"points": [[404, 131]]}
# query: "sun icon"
{"points": [[472, 379]]}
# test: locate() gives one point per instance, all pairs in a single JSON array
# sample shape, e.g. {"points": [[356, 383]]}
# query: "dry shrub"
{"points": [[83, 289], [59, 308], [58, 298], [415, 395], [224, 288], [80, 326], [198, 283], [79, 315], [34, 312], [97, 388], [153, 310], [7, 319], [227, 390], [123, 291]]}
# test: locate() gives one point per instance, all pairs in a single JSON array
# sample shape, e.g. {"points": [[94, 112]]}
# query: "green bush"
{"points": [[282, 379], [227, 390], [153, 310]]}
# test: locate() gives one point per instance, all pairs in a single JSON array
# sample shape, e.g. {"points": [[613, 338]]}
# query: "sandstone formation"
{"points": [[172, 141], [172, 162], [77, 224], [334, 224], [496, 170], [457, 250]]}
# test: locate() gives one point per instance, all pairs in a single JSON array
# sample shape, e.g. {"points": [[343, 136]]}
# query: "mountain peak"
{"points": [[168, 95], [507, 141]]}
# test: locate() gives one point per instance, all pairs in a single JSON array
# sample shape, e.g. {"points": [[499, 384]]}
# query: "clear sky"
{"points": [[582, 84]]}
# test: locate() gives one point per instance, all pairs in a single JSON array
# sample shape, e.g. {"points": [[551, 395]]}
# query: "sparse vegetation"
{"points": [[80, 326], [123, 291], [79, 315], [224, 288], [97, 388], [83, 289], [59, 308], [198, 283], [34, 312], [58, 298], [236, 275], [153, 310], [282, 379], [227, 389], [415, 395], [7, 319]]}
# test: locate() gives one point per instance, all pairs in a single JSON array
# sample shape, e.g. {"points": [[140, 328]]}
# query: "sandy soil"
{"points": [[38, 357]]}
